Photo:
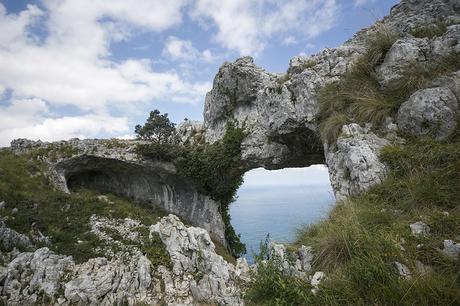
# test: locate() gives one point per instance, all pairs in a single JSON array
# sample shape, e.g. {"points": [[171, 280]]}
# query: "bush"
{"points": [[216, 169]]}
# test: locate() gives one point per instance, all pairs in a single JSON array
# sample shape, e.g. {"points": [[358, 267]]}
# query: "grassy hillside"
{"points": [[358, 245], [65, 217]]}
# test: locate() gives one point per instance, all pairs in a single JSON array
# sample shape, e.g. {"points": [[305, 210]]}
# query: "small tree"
{"points": [[158, 128]]}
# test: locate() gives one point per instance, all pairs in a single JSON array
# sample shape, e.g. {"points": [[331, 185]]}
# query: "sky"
{"points": [[95, 68], [315, 175]]}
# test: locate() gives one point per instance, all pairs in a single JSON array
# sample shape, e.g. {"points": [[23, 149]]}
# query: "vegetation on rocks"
{"points": [[32, 202], [358, 245], [215, 168], [358, 97]]}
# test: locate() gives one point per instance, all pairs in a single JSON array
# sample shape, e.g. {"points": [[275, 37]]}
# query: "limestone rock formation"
{"points": [[198, 274], [113, 166], [280, 111], [298, 264], [196, 266]]}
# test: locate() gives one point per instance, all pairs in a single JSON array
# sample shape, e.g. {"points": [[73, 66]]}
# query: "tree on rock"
{"points": [[158, 128]]}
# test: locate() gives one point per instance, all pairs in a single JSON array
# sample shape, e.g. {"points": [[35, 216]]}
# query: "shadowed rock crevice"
{"points": [[304, 145], [153, 183]]}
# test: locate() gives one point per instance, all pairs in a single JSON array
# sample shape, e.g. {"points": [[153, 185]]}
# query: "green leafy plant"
{"points": [[216, 169]]}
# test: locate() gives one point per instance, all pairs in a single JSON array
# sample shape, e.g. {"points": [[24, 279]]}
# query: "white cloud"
{"points": [[177, 49], [31, 118], [358, 3], [70, 65], [313, 175], [289, 41], [247, 25]]}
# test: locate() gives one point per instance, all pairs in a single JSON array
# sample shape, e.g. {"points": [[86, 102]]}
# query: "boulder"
{"points": [[429, 112]]}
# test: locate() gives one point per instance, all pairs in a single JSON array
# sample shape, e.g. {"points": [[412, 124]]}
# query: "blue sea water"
{"points": [[278, 211]]}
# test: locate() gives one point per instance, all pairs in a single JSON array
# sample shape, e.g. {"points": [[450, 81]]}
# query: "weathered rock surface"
{"points": [[430, 112], [280, 111], [113, 166], [353, 161], [191, 132], [403, 270], [296, 264], [451, 248], [10, 239], [198, 274], [419, 228]]}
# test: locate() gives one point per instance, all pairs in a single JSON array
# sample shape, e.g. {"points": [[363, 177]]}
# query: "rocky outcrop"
{"points": [[198, 274], [353, 162], [113, 166], [280, 111]]}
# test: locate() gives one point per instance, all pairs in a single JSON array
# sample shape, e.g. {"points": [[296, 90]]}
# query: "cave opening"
{"points": [[278, 202]]}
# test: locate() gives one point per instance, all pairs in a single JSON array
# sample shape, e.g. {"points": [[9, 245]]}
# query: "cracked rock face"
{"points": [[198, 274], [196, 266], [353, 161]]}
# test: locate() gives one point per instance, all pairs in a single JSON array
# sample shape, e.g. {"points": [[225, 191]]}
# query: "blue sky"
{"points": [[93, 68]]}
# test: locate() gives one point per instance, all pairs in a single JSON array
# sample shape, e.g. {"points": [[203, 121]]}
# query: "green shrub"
{"points": [[215, 168], [158, 129]]}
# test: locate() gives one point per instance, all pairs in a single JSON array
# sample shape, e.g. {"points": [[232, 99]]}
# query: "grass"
{"points": [[362, 238], [65, 217], [433, 30], [358, 96]]}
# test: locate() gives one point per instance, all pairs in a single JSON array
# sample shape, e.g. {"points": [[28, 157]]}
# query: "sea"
{"points": [[279, 210]]}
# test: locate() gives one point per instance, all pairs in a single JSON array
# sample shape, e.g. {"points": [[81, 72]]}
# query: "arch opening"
{"points": [[278, 202]]}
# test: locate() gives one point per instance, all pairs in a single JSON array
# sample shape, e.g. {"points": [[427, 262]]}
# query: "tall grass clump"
{"points": [[433, 30], [357, 96]]}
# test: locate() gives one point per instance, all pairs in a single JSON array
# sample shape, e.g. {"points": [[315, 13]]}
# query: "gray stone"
{"points": [[353, 163], [429, 112], [451, 248], [10, 239], [190, 132], [316, 280], [33, 274], [192, 252], [403, 270], [419, 229], [404, 52], [297, 264]]}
